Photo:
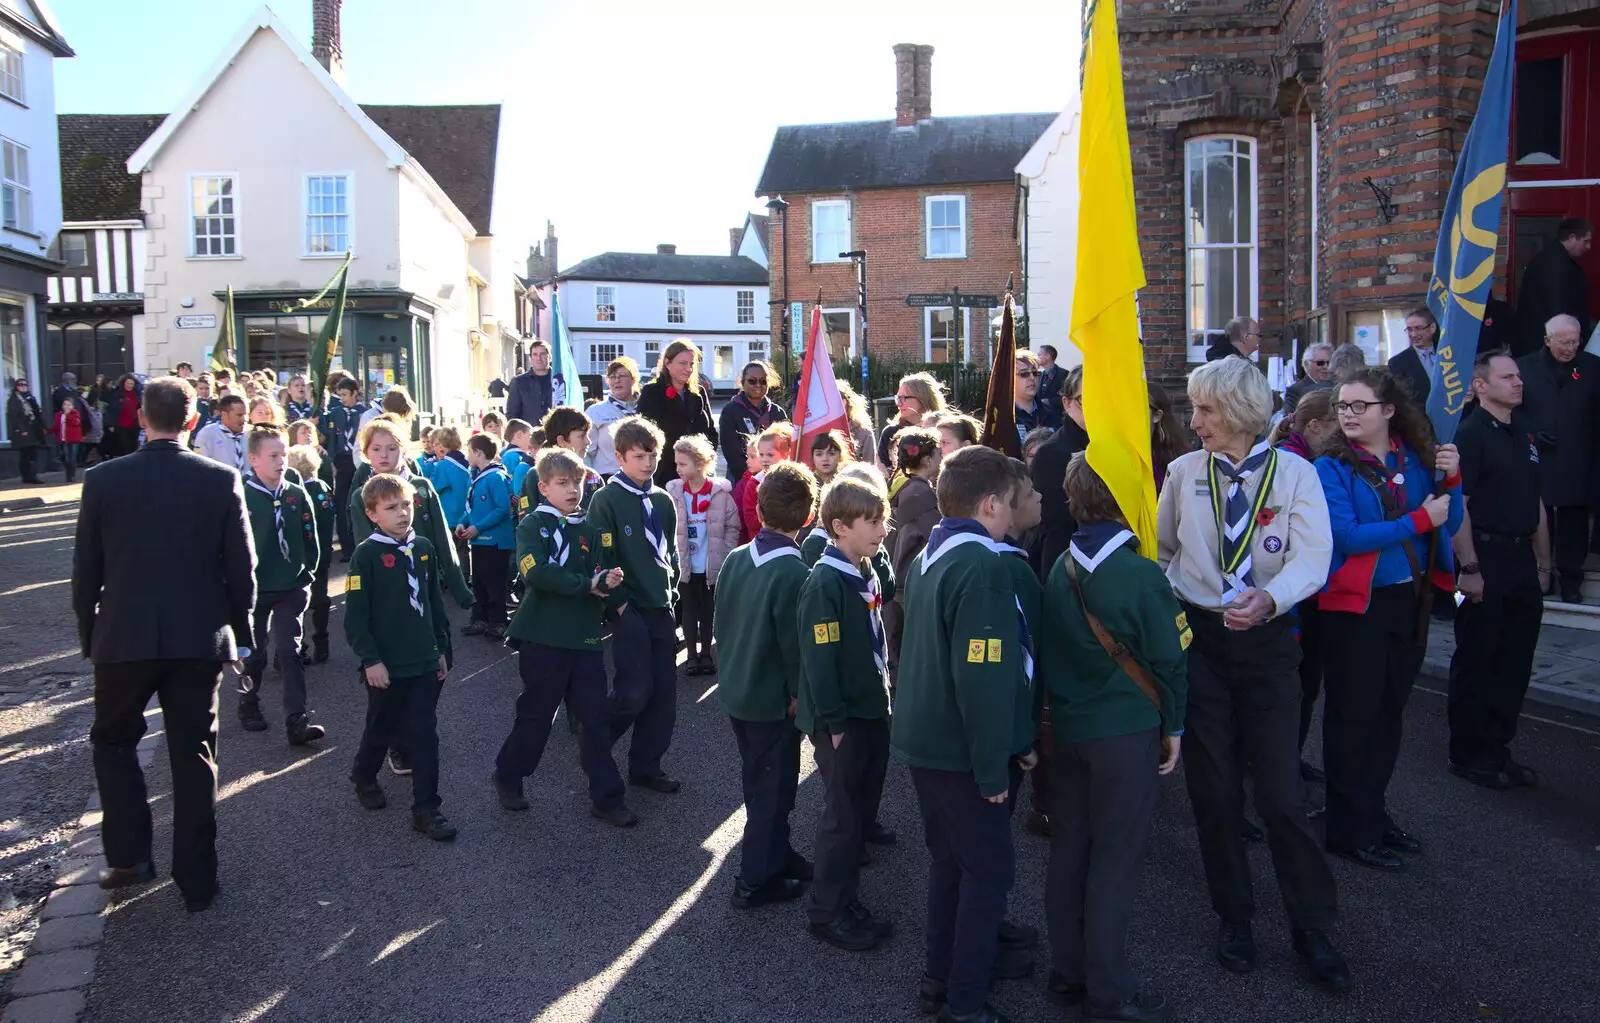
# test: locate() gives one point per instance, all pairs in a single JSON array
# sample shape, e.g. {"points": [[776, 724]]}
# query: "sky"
{"points": [[626, 123]]}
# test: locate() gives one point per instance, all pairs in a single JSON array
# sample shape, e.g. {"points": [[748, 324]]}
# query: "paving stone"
{"points": [[55, 1007], [78, 900], [78, 870], [54, 971], [85, 843], [68, 932]]}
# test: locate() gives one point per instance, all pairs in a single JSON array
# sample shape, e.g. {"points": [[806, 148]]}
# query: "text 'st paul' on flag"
{"points": [[818, 406], [1105, 323]]}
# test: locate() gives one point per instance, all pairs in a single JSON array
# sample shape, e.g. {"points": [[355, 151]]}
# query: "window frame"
{"points": [[1196, 346], [61, 249], [683, 305], [349, 214], [927, 331], [849, 230], [22, 187], [739, 310], [190, 215], [650, 359], [855, 334], [597, 366], [13, 51], [928, 228], [609, 306]]}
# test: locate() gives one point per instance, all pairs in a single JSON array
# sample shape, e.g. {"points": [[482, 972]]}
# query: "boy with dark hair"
{"points": [[339, 426], [494, 424], [758, 598], [567, 427], [518, 454], [284, 526], [488, 528], [305, 460], [557, 633], [955, 726], [637, 520], [394, 618], [844, 705], [383, 452]]}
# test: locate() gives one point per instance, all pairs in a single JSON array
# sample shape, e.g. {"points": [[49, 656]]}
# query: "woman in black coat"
{"points": [[747, 415], [122, 418], [676, 404], [26, 428]]}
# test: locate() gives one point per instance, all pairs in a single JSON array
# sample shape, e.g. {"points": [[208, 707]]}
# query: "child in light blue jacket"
{"points": [[488, 528]]}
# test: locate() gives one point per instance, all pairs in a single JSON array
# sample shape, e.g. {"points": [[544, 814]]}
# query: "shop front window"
{"points": [[282, 342]]}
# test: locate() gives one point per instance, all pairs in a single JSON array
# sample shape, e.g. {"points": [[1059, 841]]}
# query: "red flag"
{"points": [[818, 406]]}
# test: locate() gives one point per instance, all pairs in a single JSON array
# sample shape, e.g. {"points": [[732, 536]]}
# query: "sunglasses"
{"points": [[1320, 362], [756, 381], [1027, 374]]}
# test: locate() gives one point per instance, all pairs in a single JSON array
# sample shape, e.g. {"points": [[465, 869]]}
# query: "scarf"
{"points": [[1389, 483], [1237, 514], [558, 539], [698, 501], [1297, 443], [406, 547], [1024, 634], [1094, 542], [759, 418], [769, 544], [625, 408], [458, 458], [299, 410], [867, 588], [277, 510], [351, 424], [951, 533], [652, 521]]}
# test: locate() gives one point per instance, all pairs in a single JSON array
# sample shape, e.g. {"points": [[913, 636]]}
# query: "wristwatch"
{"points": [[1470, 568]]}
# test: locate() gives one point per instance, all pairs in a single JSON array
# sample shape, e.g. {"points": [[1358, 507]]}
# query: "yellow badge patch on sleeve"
{"points": [[522, 502], [994, 651], [1183, 620], [605, 539], [820, 634], [423, 558], [352, 583], [1185, 638], [526, 564], [833, 632], [975, 651]]}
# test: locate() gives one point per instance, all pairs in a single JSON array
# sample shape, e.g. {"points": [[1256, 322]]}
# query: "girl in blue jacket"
{"points": [[488, 528]]}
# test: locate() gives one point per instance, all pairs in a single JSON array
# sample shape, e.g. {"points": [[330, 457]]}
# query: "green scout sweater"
{"points": [[816, 541], [618, 516], [756, 624], [839, 677], [274, 572], [379, 621], [1090, 697], [557, 609], [1030, 596], [427, 520], [956, 705], [321, 494]]}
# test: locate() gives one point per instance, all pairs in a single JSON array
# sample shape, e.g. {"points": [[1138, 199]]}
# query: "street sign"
{"points": [[945, 299], [927, 300], [196, 321], [980, 301], [796, 314]]}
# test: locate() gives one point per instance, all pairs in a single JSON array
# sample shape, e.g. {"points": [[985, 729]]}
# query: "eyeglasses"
{"points": [[1564, 342], [1419, 330], [1320, 362], [756, 381], [1355, 408], [1027, 374], [901, 399]]}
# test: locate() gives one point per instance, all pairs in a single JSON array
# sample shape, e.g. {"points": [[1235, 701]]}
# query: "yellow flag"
{"points": [[1105, 324]]}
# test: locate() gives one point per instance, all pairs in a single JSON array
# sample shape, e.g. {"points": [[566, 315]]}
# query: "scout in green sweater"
{"points": [[1111, 739], [284, 527], [816, 538], [305, 459], [844, 705], [395, 621], [758, 643]]}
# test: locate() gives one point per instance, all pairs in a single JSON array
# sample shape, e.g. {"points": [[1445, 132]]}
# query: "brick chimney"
{"points": [[924, 104], [913, 84], [666, 250], [325, 37]]}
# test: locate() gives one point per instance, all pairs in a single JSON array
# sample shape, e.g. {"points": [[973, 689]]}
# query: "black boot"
{"points": [[1327, 965], [319, 650], [301, 730], [509, 794], [1236, 946], [250, 718]]}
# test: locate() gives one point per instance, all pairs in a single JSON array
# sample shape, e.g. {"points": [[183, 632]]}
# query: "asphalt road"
{"points": [[331, 912]]}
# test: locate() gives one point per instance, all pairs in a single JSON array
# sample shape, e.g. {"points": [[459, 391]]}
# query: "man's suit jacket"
{"points": [[1407, 367], [1056, 524], [1553, 283], [164, 564]]}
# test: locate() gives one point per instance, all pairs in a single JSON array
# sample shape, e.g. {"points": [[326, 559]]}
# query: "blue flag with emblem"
{"points": [[1469, 233], [565, 387]]}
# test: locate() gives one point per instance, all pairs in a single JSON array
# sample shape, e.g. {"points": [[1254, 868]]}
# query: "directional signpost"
{"points": [[953, 300]]}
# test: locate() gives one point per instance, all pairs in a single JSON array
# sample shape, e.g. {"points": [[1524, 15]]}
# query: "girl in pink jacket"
{"points": [[708, 529]]}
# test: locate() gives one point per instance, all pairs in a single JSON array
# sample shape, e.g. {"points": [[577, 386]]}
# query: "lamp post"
{"points": [[781, 208], [859, 258]]}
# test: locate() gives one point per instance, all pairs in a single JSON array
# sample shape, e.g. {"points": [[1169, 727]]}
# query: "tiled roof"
{"points": [[456, 145], [878, 154], [667, 269], [95, 183]]}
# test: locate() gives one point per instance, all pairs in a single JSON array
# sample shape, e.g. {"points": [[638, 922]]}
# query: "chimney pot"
{"points": [[666, 250], [325, 44]]}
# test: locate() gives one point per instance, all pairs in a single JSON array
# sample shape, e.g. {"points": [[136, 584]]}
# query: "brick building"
{"points": [[1291, 159], [932, 201]]}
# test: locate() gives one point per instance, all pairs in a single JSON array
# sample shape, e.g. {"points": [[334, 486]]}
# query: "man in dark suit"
{"points": [[1056, 524], [1241, 337], [1414, 366], [163, 581], [1554, 283]]}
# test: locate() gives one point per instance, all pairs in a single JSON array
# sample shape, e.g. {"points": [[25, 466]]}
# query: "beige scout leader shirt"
{"points": [[1289, 555]]}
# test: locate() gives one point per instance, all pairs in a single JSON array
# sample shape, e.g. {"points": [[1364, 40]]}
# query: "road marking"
{"points": [[402, 940], [485, 668], [1530, 717], [33, 586]]}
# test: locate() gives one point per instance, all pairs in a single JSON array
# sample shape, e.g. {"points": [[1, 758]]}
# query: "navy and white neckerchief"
{"points": [[652, 521], [276, 494], [1235, 512], [769, 544], [1008, 546], [458, 458], [299, 410], [951, 533], [352, 423], [239, 460], [1024, 634], [866, 586], [817, 531], [1094, 542], [627, 408], [558, 536], [408, 548]]}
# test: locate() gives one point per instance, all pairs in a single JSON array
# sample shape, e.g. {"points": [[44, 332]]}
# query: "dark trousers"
{"points": [[1243, 717], [28, 464], [490, 568], [277, 625], [1373, 660], [344, 473], [1105, 802], [1569, 542], [1312, 663], [188, 693], [406, 712], [695, 599], [852, 776], [1044, 747], [320, 604], [769, 757], [644, 694], [1493, 659], [894, 627], [550, 674], [68, 453], [464, 556], [971, 870]]}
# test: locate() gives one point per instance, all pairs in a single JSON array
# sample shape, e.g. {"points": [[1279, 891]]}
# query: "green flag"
{"points": [[222, 351], [327, 344]]}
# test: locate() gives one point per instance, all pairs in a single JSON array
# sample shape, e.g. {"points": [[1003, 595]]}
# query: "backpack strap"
{"points": [[1115, 650]]}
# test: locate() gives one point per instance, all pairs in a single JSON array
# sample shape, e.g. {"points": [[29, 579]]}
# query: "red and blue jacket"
{"points": [[1368, 547]]}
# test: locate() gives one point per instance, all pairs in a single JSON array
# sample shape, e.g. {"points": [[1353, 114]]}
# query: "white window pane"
{"points": [[1219, 200], [1246, 226]]}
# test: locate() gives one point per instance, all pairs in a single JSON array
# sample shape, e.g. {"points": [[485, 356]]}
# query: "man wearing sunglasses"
{"points": [[1031, 412], [1317, 375]]}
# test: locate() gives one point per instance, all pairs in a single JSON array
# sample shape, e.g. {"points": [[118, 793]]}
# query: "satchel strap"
{"points": [[1117, 651]]}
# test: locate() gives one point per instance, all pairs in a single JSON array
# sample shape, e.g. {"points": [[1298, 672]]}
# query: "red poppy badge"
{"points": [[1265, 517], [388, 561]]}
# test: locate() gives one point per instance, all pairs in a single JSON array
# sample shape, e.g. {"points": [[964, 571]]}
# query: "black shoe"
{"points": [[987, 1014], [798, 867], [1571, 594], [369, 795], [1236, 946], [1143, 1007], [1017, 935], [250, 718], [1521, 775], [474, 628], [1068, 996], [433, 824], [201, 903], [691, 666], [777, 889], [707, 665], [1373, 856], [1327, 965], [846, 932], [616, 816], [1309, 773], [655, 782], [1401, 840], [319, 652], [1012, 964], [127, 877], [301, 731], [399, 763], [1038, 824], [877, 834], [1488, 777], [305, 658], [1252, 834], [509, 794], [344, 557], [882, 926], [931, 995], [494, 633]]}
